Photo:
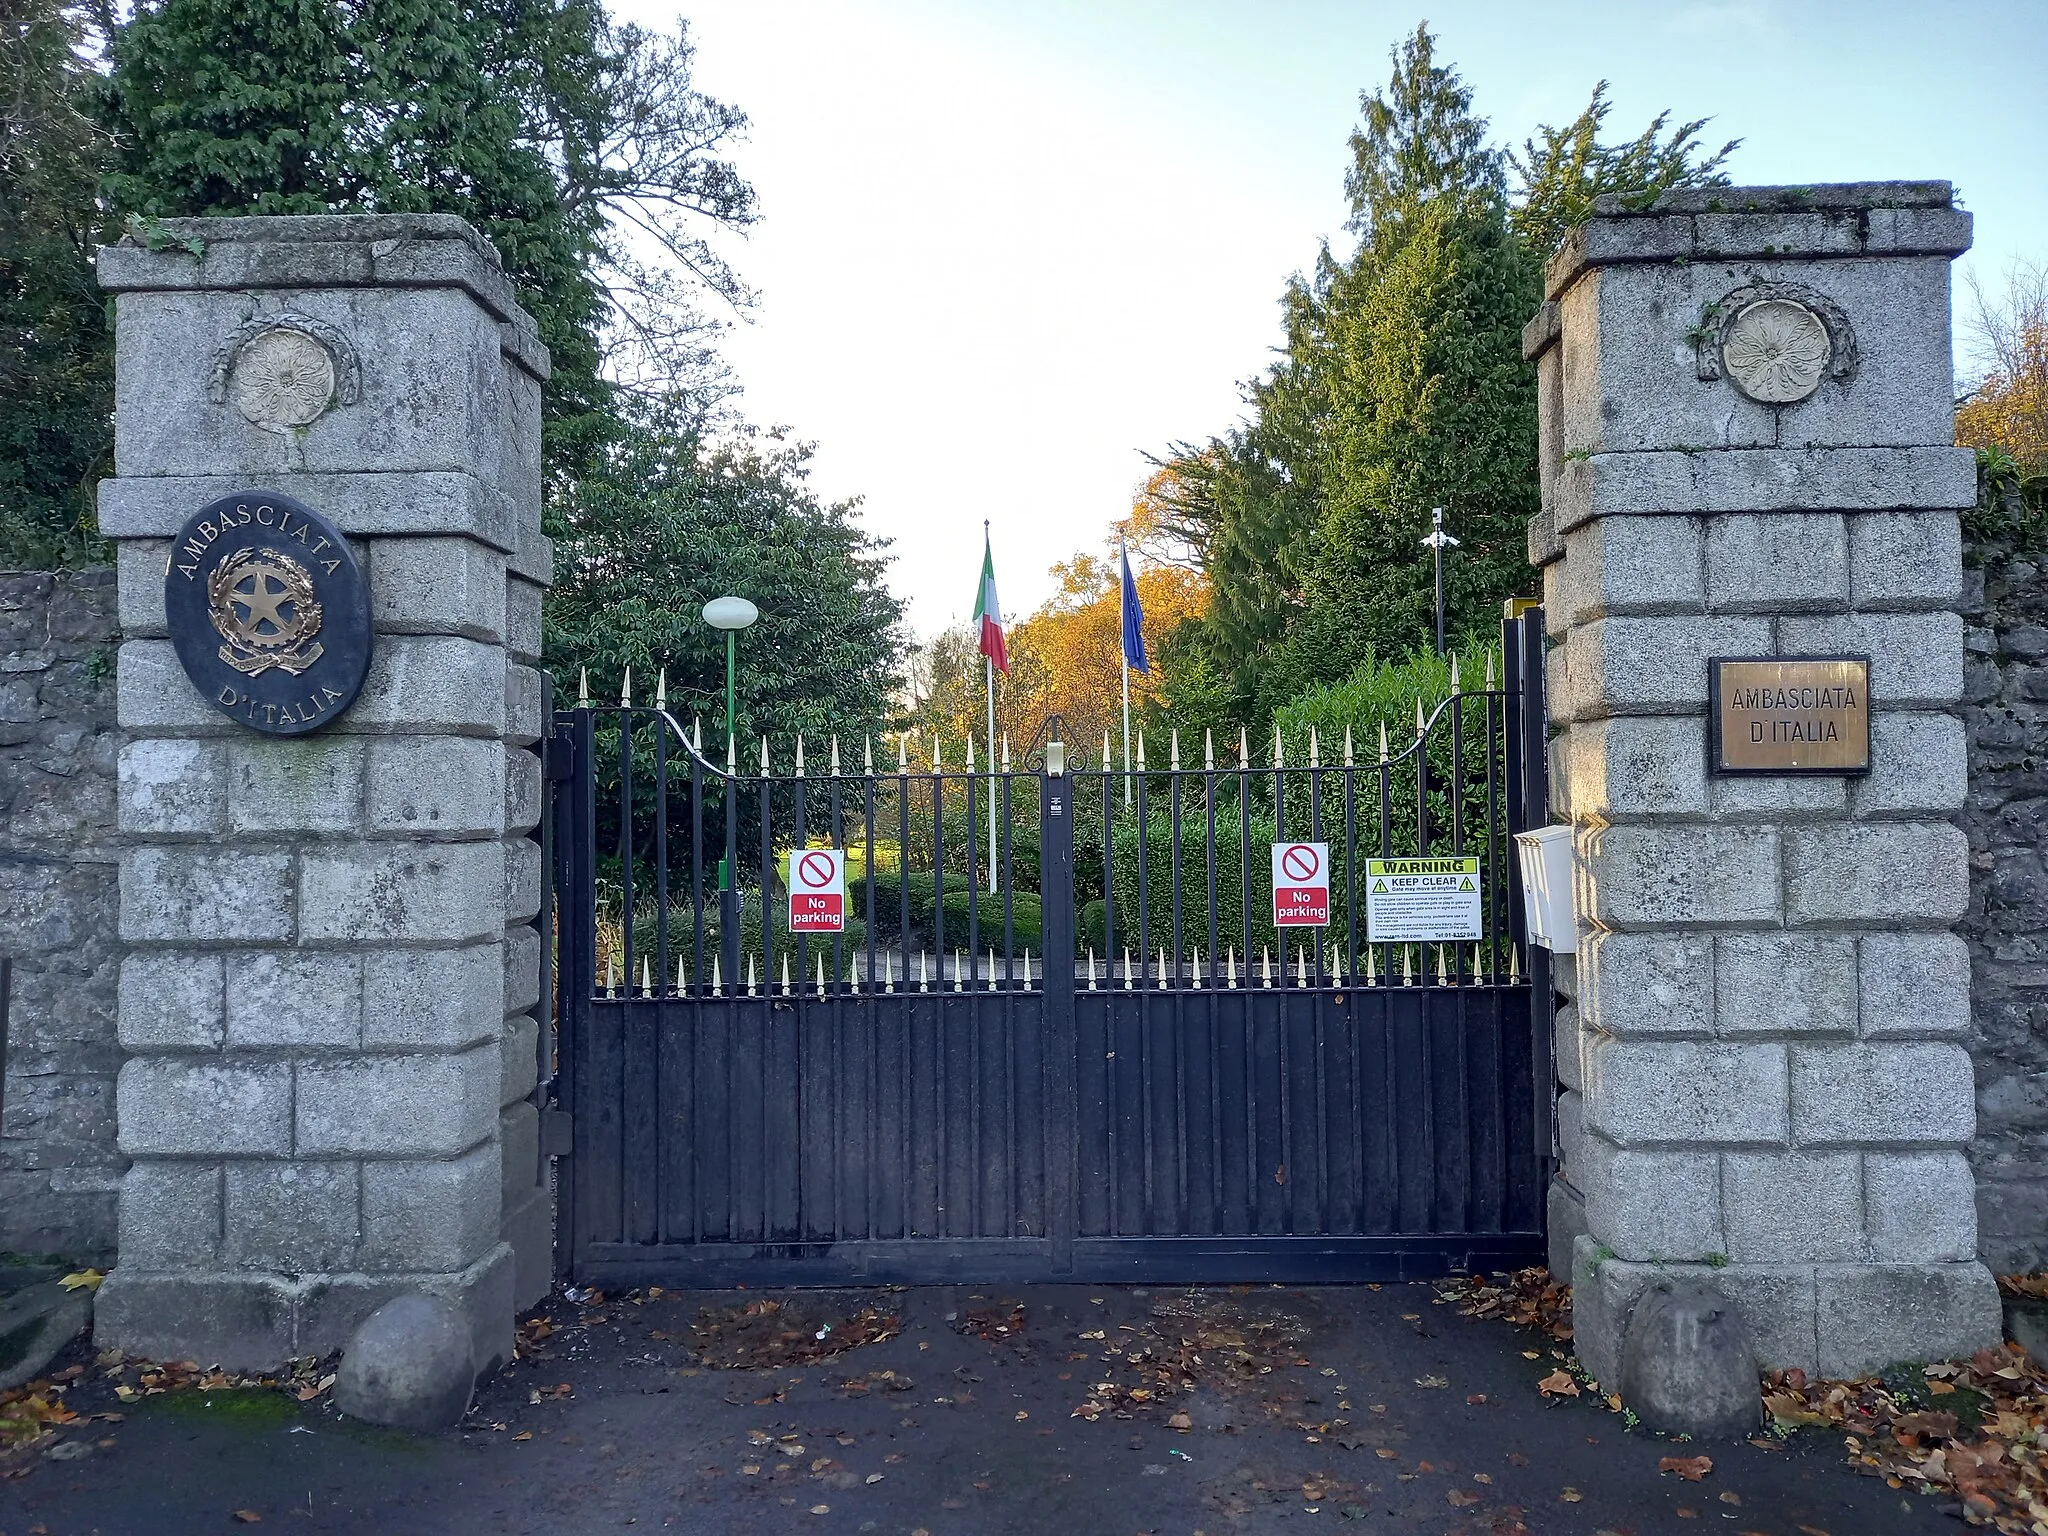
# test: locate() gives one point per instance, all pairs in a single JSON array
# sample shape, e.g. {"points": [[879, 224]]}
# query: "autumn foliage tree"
{"points": [[2006, 417]]}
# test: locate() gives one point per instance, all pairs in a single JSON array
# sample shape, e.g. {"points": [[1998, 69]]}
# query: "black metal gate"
{"points": [[1017, 1064]]}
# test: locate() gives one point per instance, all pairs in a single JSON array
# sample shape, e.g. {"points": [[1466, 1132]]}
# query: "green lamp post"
{"points": [[731, 614]]}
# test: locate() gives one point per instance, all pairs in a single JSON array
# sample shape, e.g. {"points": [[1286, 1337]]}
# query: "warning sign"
{"points": [[1411, 901], [817, 890], [1301, 885]]}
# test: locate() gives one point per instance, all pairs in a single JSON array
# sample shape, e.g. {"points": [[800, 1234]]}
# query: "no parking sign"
{"points": [[1301, 885], [817, 890]]}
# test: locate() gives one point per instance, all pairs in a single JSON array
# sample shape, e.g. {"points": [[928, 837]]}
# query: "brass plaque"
{"points": [[1790, 714]]}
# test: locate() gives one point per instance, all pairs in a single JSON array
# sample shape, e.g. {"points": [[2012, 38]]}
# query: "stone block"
{"points": [[1916, 659], [1895, 1093], [196, 1108], [519, 1059], [1919, 1207], [1652, 1206], [1777, 562], [1904, 231], [525, 706], [1907, 873], [366, 502], [522, 880], [436, 786], [171, 787], [170, 1214], [1681, 875], [183, 895], [1638, 984], [433, 999], [1777, 1302], [171, 1002], [431, 395], [298, 1217], [528, 1225], [154, 697], [397, 1106], [1623, 666], [522, 968], [1635, 765], [1688, 1364], [1914, 985], [1905, 560], [298, 999], [437, 586], [522, 621], [1918, 763], [430, 1215], [1742, 798], [1845, 479], [522, 789], [1631, 565], [432, 683], [1793, 1207], [1819, 232], [237, 1322], [1785, 983], [1870, 1317], [329, 1309], [427, 893], [1567, 1039], [518, 1149], [297, 784], [1651, 1093], [141, 564]]}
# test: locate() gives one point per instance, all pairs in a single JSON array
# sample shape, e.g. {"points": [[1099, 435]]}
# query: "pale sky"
{"points": [[1010, 245]]}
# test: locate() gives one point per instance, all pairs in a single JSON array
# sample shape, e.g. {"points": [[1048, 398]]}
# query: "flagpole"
{"points": [[1123, 655], [989, 665]]}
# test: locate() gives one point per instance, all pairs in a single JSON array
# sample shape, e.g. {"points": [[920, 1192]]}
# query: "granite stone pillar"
{"points": [[330, 959], [1762, 1047]]}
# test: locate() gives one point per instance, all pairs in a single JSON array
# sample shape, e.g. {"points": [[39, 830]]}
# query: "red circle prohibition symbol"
{"points": [[814, 869], [1299, 862]]}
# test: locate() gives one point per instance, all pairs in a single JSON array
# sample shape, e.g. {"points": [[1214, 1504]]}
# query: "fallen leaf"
{"points": [[874, 1477], [1571, 1495], [1558, 1384], [82, 1280], [1730, 1496], [821, 1509], [1461, 1498], [1431, 1381], [524, 1434], [1386, 1455], [248, 1516], [1691, 1468]]}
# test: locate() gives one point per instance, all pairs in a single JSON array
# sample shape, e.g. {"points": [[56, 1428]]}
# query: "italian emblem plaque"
{"points": [[269, 611]]}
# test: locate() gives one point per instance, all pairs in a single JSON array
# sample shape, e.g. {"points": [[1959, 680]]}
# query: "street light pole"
{"points": [[731, 614]]}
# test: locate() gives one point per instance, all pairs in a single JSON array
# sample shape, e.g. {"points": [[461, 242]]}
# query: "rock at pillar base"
{"points": [[36, 1321], [1688, 1365], [408, 1365]]}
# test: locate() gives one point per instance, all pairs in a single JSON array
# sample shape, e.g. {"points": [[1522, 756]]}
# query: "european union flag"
{"points": [[1134, 622]]}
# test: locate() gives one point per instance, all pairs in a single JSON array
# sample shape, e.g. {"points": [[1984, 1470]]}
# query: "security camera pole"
{"points": [[1436, 539]]}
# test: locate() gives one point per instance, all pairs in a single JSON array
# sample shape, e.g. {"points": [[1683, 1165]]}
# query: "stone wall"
{"points": [[2005, 709], [59, 1167]]}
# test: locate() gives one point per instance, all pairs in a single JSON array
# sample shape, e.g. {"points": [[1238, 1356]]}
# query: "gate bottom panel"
{"points": [[1133, 1261]]}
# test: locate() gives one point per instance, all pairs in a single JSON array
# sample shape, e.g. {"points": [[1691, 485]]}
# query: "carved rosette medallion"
{"points": [[1776, 351], [282, 378], [269, 612]]}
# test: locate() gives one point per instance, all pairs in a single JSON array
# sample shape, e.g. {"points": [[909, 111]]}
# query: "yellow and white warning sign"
{"points": [[1411, 901]]}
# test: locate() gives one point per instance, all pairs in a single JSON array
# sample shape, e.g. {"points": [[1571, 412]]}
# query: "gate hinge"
{"points": [[558, 755], [557, 1132]]}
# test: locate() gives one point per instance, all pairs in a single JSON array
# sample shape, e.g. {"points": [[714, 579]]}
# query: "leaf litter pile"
{"points": [[1188, 1341], [1975, 1431], [770, 1333]]}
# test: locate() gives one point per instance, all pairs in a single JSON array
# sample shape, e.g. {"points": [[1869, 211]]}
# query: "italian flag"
{"points": [[988, 612]]}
